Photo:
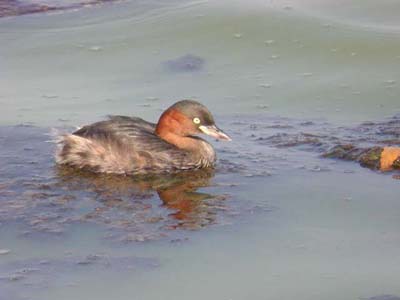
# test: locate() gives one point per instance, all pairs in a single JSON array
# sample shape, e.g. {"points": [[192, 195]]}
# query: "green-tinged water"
{"points": [[77, 66], [287, 80]]}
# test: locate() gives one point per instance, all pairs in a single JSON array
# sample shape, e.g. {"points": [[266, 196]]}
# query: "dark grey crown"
{"points": [[193, 109]]}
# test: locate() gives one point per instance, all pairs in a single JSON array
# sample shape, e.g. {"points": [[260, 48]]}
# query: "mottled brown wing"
{"points": [[138, 136], [131, 131], [114, 125]]}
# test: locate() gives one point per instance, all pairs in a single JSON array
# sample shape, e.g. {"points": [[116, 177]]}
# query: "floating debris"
{"points": [[269, 42], [4, 251], [265, 85], [96, 48], [237, 35], [318, 169], [390, 81], [47, 96], [152, 98]]}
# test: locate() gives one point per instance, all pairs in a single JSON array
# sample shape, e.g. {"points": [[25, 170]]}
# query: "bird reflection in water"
{"points": [[131, 203]]}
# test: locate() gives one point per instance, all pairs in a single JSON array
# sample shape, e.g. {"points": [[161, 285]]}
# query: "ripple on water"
{"points": [[46, 200], [382, 297], [20, 277]]}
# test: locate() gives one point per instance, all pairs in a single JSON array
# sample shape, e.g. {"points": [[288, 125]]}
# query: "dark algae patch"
{"points": [[367, 157], [374, 145], [22, 7], [185, 63]]}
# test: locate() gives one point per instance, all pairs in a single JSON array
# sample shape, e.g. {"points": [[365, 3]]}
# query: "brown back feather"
{"points": [[122, 145]]}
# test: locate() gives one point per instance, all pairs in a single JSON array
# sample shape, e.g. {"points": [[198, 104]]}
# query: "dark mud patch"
{"points": [[19, 7], [186, 63]]}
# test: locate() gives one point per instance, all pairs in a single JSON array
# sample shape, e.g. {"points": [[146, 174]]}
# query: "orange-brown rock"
{"points": [[389, 158]]}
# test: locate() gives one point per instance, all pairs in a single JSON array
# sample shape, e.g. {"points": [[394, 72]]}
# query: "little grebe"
{"points": [[130, 145]]}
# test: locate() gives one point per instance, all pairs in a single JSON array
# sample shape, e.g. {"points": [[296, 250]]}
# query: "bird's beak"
{"points": [[215, 132]]}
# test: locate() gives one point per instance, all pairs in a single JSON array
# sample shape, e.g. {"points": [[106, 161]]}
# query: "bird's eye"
{"points": [[196, 121]]}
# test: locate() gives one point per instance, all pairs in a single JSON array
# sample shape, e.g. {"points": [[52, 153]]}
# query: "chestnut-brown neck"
{"points": [[174, 127]]}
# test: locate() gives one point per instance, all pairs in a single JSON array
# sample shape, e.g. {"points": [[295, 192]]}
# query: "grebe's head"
{"points": [[188, 118]]}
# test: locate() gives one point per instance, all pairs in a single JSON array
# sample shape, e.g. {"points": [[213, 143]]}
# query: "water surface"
{"points": [[275, 220]]}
